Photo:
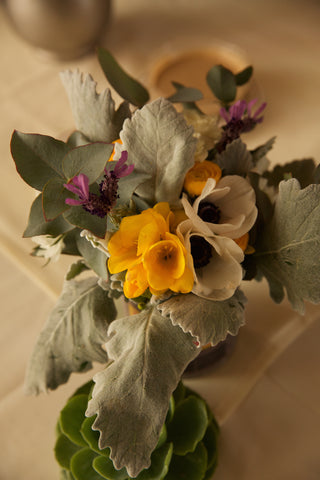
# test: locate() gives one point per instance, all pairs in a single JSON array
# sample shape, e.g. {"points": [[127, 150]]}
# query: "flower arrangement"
{"points": [[171, 211]]}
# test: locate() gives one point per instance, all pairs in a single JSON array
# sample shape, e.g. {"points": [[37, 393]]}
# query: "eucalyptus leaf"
{"points": [[77, 139], [302, 170], [81, 465], [94, 257], [71, 418], [76, 269], [80, 218], [287, 254], [126, 86], [192, 466], [235, 159], [244, 76], [38, 158], [207, 320], [133, 391], [87, 159], [54, 198], [161, 145], [104, 466], [95, 115], [188, 425], [37, 224], [72, 336], [223, 83], [64, 449], [186, 95]]}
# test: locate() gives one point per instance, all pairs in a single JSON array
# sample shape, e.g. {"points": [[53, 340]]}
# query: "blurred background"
{"points": [[267, 397]]}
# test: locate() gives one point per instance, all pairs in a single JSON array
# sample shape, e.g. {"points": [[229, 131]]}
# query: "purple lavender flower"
{"points": [[239, 119], [93, 203]]}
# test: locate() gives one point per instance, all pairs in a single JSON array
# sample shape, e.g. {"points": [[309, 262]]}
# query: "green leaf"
{"points": [[207, 320], [302, 170], [87, 159], [166, 157], [160, 460], [84, 389], [37, 225], [71, 418], [104, 466], [66, 475], [127, 87], [77, 139], [76, 269], [235, 159], [95, 115], [72, 336], [185, 95], [223, 84], [54, 198], [94, 258], [192, 466], [38, 158], [128, 185], [81, 465], [210, 442], [244, 76], [163, 436], [138, 345], [188, 425], [288, 251], [80, 218], [92, 436], [64, 449]]}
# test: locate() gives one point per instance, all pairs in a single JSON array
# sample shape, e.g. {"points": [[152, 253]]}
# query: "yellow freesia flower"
{"points": [[152, 256], [198, 175]]}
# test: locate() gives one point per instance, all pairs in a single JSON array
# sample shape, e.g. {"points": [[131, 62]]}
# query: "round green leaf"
{"points": [[186, 95], [81, 465], [71, 418], [104, 466], [84, 389], [193, 466], [64, 450], [160, 460], [180, 393], [244, 76], [78, 217], [54, 198], [210, 442], [188, 425], [87, 159], [222, 82], [92, 436], [163, 436]]}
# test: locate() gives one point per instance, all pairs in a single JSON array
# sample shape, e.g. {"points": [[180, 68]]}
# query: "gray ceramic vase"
{"points": [[65, 28]]}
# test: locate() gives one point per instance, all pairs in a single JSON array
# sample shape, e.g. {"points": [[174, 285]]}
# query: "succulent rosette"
{"points": [[173, 212]]}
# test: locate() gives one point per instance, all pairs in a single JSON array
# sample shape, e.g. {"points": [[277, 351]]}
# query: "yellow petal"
{"points": [[135, 282], [198, 175]]}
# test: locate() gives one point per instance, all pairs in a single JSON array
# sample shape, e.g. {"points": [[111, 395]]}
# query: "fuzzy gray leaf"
{"points": [[235, 159], [131, 396], [206, 320], [95, 115], [288, 253], [161, 145], [72, 336]]}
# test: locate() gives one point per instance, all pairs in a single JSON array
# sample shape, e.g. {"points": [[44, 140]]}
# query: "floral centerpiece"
{"points": [[171, 211]]}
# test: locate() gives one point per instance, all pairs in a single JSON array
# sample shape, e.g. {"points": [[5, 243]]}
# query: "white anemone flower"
{"points": [[224, 211]]}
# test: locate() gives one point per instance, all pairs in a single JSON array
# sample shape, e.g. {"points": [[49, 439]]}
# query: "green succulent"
{"points": [[187, 446]]}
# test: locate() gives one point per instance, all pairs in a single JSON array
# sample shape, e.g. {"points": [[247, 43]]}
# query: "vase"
{"points": [[64, 28]]}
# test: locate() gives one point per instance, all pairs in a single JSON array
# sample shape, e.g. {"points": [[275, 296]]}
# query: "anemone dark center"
{"points": [[201, 251], [209, 212]]}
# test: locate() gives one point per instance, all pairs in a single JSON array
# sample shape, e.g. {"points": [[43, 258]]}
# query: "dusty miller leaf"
{"points": [[235, 159], [72, 336], [95, 115], [161, 145], [131, 396], [288, 252], [206, 320]]}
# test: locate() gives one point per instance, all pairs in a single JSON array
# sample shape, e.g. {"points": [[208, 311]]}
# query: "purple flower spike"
{"points": [[79, 186], [121, 170], [239, 119]]}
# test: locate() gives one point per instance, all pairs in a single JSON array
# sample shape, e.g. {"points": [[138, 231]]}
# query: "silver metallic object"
{"points": [[65, 28]]}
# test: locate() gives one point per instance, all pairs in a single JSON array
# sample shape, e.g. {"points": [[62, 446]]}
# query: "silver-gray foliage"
{"points": [[288, 253], [206, 320], [72, 336], [131, 396], [94, 114], [162, 146]]}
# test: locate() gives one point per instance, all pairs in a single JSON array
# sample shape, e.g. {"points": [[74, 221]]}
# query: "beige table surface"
{"points": [[266, 396]]}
